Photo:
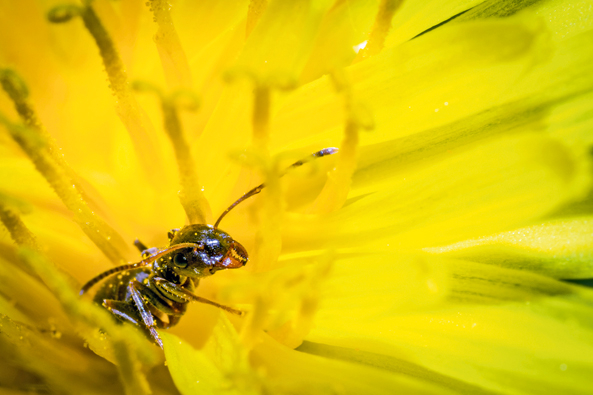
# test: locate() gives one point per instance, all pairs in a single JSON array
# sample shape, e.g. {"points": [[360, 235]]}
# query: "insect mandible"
{"points": [[155, 292]]}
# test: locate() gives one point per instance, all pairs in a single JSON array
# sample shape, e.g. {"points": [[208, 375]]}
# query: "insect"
{"points": [[155, 292]]}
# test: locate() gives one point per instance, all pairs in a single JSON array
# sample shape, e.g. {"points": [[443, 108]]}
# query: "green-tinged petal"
{"points": [[416, 86], [219, 368], [575, 15], [394, 364], [561, 76], [493, 187], [415, 17], [561, 248], [564, 75], [473, 283], [370, 285], [520, 340], [292, 372], [423, 282], [572, 121], [503, 351]]}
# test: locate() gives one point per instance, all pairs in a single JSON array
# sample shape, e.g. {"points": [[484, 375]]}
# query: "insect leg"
{"points": [[179, 294], [153, 298], [122, 310], [146, 315]]}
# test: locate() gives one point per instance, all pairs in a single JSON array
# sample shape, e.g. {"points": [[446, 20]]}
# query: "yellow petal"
{"points": [[518, 331], [416, 86], [575, 15], [192, 371], [497, 185], [415, 17], [344, 28], [278, 47], [367, 285], [561, 248], [290, 371], [578, 12]]}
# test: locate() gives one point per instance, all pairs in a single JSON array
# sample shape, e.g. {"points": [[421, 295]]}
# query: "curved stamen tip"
{"points": [[148, 87], [13, 84], [63, 13]]}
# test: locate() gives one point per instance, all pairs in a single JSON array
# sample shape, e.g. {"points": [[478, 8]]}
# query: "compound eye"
{"points": [[180, 260]]}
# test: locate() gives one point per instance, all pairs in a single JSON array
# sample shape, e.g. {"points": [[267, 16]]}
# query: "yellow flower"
{"points": [[428, 255]]}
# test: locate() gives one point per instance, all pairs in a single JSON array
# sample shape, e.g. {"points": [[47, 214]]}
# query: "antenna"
{"points": [[258, 189]]}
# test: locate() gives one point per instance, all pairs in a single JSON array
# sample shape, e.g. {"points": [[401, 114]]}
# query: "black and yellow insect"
{"points": [[155, 292]]}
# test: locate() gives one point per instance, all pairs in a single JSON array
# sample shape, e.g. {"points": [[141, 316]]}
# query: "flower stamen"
{"points": [[19, 232], [261, 118], [18, 92], [254, 12], [191, 196], [130, 349], [35, 146], [171, 52], [380, 29], [336, 189], [128, 110]]}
